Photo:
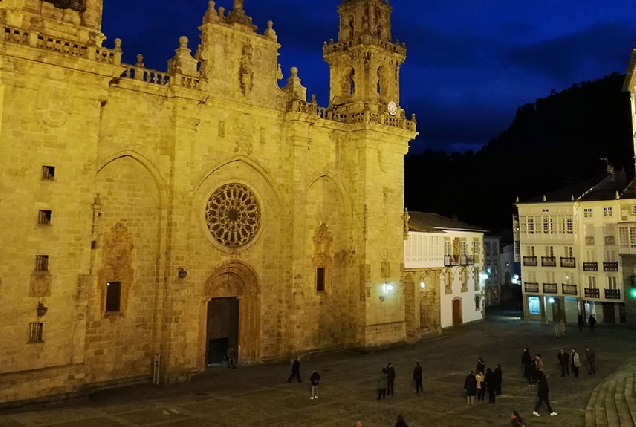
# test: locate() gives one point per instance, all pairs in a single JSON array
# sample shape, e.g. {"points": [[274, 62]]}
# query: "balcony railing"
{"points": [[612, 294], [550, 288], [610, 241], [466, 260], [610, 266], [589, 240], [569, 289], [548, 261], [531, 287], [530, 261], [568, 262], [452, 260], [592, 293], [590, 266]]}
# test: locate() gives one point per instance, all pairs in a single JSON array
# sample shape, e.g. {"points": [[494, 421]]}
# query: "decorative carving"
{"points": [[41, 310], [246, 72], [78, 5], [233, 215], [40, 284], [385, 269], [405, 218], [53, 106], [457, 247], [117, 261]]}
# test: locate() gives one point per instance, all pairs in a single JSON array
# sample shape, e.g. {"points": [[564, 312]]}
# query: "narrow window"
{"points": [[48, 173], [477, 303], [36, 332], [352, 83], [41, 263], [320, 279], [113, 297], [44, 218]]}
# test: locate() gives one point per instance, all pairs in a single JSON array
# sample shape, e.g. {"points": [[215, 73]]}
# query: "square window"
{"points": [[607, 211], [113, 297], [48, 173], [41, 263], [36, 332], [320, 279], [44, 217]]}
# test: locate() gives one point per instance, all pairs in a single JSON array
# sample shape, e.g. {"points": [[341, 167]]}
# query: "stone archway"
{"points": [[234, 280]]}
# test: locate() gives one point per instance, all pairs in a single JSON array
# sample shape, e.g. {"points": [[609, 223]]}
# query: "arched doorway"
{"points": [[230, 315], [457, 312]]}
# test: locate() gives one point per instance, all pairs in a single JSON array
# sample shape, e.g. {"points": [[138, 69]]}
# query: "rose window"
{"points": [[233, 215]]}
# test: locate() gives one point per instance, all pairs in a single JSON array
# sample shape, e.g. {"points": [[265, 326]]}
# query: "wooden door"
{"points": [[609, 315], [457, 312]]}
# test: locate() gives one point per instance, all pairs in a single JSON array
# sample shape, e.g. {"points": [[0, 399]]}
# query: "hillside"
{"points": [[551, 143]]}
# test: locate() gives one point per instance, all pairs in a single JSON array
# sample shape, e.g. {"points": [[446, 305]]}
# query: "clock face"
{"points": [[392, 108]]}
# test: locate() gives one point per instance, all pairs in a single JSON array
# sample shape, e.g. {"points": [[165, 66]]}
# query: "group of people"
{"points": [[478, 382], [574, 360]]}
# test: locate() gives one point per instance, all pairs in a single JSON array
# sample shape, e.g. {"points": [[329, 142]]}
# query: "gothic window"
{"points": [[233, 215], [379, 31], [320, 279], [351, 83], [322, 259], [351, 28]]}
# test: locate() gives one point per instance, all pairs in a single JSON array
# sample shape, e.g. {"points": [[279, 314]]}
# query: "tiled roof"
{"points": [[434, 223], [602, 187]]}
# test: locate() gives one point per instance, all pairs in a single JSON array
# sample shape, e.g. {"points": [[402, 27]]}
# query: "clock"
{"points": [[392, 108]]}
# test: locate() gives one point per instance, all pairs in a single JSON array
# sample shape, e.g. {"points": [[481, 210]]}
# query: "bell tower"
{"points": [[365, 62]]}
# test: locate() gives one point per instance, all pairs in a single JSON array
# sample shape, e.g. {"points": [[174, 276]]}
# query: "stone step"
{"points": [[630, 397], [611, 413], [598, 405], [590, 410], [620, 400]]}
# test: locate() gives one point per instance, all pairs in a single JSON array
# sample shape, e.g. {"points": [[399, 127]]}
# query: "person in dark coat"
{"points": [[401, 422], [417, 377], [591, 360], [498, 375], [564, 362], [531, 368], [315, 380], [481, 365], [581, 322], [525, 360], [231, 356], [591, 322], [490, 385], [516, 420], [390, 379], [295, 371], [543, 392], [382, 385], [470, 388]]}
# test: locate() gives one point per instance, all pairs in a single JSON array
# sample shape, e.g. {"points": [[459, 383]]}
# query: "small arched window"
{"points": [[381, 89], [351, 83]]}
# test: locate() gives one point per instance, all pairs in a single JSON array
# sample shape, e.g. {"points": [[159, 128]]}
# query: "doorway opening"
{"points": [[222, 329], [457, 312]]}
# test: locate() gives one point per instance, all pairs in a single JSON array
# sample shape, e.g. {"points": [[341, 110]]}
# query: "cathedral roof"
{"points": [[425, 222]]}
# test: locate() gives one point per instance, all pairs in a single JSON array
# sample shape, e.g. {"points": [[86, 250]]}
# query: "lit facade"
{"points": [[492, 270]]}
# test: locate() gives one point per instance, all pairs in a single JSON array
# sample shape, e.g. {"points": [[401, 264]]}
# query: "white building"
{"points": [[572, 244], [443, 262], [492, 247]]}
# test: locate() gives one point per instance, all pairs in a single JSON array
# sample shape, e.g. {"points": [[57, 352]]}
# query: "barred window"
{"points": [[44, 217], [36, 331], [41, 263], [48, 173]]}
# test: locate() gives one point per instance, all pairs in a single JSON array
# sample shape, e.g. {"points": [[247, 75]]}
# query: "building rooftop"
{"points": [[601, 187], [434, 223]]}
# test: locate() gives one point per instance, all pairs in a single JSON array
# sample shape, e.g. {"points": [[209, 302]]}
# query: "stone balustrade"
{"points": [[65, 47], [298, 106], [160, 78], [332, 46]]}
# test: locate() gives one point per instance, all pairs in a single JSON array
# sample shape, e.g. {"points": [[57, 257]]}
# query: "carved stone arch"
{"points": [[341, 190], [349, 81], [162, 188], [234, 279]]}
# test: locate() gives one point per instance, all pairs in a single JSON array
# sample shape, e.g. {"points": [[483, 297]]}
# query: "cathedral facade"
{"points": [[151, 220]]}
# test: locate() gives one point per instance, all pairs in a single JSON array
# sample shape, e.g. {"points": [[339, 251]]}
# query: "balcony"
{"points": [[610, 241], [531, 287], [569, 289], [466, 260], [592, 293], [548, 261], [568, 262], [530, 261], [610, 266], [612, 294], [589, 240], [550, 288], [590, 266]]}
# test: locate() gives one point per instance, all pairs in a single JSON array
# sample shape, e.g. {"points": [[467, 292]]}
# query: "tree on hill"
{"points": [[551, 143]]}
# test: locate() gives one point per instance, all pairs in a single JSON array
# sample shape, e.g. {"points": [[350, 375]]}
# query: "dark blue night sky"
{"points": [[470, 63]]}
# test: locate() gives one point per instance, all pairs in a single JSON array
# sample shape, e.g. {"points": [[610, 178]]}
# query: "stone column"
{"points": [[542, 306], [526, 309]]}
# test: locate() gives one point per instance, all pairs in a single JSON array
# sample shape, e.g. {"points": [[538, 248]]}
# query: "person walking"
{"points": [[481, 389], [417, 377], [295, 371], [543, 396], [498, 375], [390, 379], [590, 355], [382, 385], [470, 388], [490, 385], [231, 355], [481, 365], [401, 422], [576, 363], [564, 362], [592, 322], [315, 379], [516, 420], [525, 360]]}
